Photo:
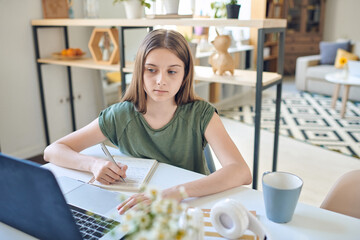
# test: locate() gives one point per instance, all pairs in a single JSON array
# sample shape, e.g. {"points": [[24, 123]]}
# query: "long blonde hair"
{"points": [[174, 42]]}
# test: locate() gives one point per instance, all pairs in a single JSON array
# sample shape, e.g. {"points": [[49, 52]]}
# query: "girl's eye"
{"points": [[171, 72], [151, 70]]}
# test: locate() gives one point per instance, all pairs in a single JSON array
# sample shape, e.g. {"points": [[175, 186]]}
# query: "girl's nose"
{"points": [[161, 79]]}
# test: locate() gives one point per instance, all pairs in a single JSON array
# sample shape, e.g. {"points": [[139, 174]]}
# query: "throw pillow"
{"points": [[328, 51], [341, 55]]}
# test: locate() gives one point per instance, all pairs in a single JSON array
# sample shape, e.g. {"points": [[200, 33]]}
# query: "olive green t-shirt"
{"points": [[180, 142]]}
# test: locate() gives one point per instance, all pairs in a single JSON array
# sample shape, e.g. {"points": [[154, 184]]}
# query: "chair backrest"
{"points": [[344, 196], [209, 159]]}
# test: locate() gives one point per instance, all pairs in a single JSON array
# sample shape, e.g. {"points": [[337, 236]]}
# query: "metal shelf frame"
{"points": [[258, 101], [263, 28]]}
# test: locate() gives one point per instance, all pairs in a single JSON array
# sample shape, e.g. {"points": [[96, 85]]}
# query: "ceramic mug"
{"points": [[281, 192]]}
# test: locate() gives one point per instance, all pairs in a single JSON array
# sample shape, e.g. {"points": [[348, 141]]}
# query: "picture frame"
{"points": [[55, 8]]}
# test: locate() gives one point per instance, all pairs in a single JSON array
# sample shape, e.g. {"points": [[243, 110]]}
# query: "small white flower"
{"points": [[182, 207], [153, 193], [156, 207], [142, 235], [183, 192], [162, 234], [174, 226], [129, 216], [162, 219], [127, 227], [144, 221]]}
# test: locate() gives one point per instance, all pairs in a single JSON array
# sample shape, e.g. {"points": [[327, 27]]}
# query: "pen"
{"points": [[107, 153]]}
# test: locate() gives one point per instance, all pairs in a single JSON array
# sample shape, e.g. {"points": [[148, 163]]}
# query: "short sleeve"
{"points": [[107, 123], [207, 113]]}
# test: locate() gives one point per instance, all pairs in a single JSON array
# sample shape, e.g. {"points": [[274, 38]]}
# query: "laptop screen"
{"points": [[31, 201]]}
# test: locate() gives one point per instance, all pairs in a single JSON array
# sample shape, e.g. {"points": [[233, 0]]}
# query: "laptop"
{"points": [[33, 201]]}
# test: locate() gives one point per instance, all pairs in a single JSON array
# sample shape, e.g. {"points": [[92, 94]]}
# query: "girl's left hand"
{"points": [[178, 193], [132, 201]]}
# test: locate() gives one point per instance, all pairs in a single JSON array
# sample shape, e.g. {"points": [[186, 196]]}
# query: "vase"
{"points": [[133, 9], [238, 36], [233, 11], [171, 6], [91, 8]]}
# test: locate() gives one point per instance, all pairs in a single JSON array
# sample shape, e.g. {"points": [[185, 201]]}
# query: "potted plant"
{"points": [[219, 8], [233, 9], [134, 8]]}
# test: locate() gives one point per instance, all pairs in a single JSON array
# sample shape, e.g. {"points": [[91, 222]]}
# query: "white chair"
{"points": [[344, 196], [209, 159]]}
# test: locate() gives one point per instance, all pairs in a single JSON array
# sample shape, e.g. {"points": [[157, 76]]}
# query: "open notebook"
{"points": [[138, 173]]}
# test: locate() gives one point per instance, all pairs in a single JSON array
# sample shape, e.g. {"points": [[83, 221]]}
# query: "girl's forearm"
{"points": [[64, 156], [230, 176]]}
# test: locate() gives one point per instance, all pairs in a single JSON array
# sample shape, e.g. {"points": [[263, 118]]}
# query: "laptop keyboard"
{"points": [[91, 225]]}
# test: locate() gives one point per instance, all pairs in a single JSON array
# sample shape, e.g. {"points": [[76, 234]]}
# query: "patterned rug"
{"points": [[308, 117]]}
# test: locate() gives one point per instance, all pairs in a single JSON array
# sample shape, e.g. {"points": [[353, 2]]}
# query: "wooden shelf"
{"points": [[84, 63], [273, 43], [241, 77], [270, 58], [204, 22]]}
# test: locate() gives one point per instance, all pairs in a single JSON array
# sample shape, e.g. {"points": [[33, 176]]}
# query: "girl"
{"points": [[159, 117]]}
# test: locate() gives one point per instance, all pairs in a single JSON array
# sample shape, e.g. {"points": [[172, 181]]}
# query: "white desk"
{"points": [[308, 222], [339, 78]]}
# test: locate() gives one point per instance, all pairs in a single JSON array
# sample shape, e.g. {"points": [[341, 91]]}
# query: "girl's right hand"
{"points": [[107, 172]]}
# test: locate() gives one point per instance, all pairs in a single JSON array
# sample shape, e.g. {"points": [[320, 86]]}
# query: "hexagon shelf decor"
{"points": [[95, 50]]}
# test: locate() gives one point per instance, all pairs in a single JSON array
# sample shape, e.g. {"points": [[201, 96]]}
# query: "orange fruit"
{"points": [[63, 52], [70, 52], [78, 51]]}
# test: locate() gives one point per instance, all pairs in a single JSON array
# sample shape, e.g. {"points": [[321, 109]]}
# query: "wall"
{"points": [[21, 124], [341, 19], [20, 121]]}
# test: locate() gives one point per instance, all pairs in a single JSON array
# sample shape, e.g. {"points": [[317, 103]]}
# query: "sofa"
{"points": [[310, 74]]}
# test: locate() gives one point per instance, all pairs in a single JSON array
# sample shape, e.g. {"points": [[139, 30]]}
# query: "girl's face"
{"points": [[163, 75]]}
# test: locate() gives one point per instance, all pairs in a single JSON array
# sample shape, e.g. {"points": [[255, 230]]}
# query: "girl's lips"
{"points": [[160, 91]]}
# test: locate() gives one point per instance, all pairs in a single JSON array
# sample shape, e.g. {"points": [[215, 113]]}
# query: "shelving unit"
{"points": [[258, 79], [305, 23], [305, 30], [267, 9]]}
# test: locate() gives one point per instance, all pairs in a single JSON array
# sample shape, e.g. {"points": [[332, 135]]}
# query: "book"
{"points": [[138, 173]]}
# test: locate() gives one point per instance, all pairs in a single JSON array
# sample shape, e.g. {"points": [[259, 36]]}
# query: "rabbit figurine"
{"points": [[221, 61]]}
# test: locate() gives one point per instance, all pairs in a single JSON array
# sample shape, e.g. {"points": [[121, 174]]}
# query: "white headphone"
{"points": [[230, 219]]}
